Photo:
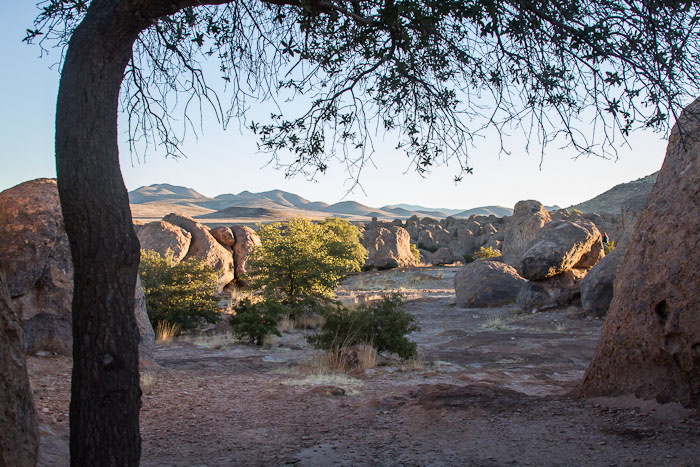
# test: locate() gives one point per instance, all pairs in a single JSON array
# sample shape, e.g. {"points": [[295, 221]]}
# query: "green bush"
{"points": [[415, 253], [299, 261], [254, 321], [487, 253], [610, 246], [382, 325], [425, 247], [184, 294]]}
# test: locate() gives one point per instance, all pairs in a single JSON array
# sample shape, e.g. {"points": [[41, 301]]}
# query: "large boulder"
{"points": [[560, 290], [442, 256], [34, 251], [19, 437], [521, 229], [650, 341], [223, 235], [246, 240], [597, 286], [485, 284], [558, 247], [387, 248], [161, 236], [205, 247]]}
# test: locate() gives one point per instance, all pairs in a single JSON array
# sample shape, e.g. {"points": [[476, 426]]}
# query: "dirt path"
{"points": [[493, 388]]}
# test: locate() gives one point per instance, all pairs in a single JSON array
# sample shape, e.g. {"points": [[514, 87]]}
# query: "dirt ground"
{"points": [[491, 387]]}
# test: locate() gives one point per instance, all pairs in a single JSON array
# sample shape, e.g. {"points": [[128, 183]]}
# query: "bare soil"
{"points": [[492, 387]]}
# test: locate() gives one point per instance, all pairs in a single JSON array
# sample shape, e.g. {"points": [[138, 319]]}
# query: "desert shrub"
{"points": [[610, 246], [468, 258], [489, 252], [254, 321], [183, 294], [425, 247], [415, 253], [381, 324], [299, 261], [577, 211]]}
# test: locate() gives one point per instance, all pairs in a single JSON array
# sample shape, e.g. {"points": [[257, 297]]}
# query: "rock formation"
{"points": [[442, 256], [35, 253], [19, 438], [597, 286], [560, 290], [487, 283], [245, 241], [522, 228], [650, 341], [387, 248], [161, 236]]}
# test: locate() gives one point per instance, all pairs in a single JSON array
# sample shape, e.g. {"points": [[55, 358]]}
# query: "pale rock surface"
{"points": [[19, 437], [487, 284], [205, 247], [387, 248], [650, 341], [597, 286], [521, 229], [246, 240], [558, 247], [560, 290], [161, 236], [34, 249]]}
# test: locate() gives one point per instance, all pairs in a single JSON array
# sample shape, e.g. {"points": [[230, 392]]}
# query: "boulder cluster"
{"points": [[224, 248]]}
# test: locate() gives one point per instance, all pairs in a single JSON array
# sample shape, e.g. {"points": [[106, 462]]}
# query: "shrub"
{"points": [[577, 211], [610, 246], [487, 253], [298, 261], [254, 321], [382, 324], [415, 253], [425, 247], [183, 294]]}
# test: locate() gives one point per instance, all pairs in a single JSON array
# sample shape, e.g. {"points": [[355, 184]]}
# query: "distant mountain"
{"points": [[162, 192], [498, 211], [418, 208], [238, 212], [632, 193], [354, 208]]}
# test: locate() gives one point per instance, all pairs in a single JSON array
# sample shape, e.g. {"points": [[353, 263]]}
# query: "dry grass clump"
{"points": [[165, 331], [496, 323], [214, 341]]}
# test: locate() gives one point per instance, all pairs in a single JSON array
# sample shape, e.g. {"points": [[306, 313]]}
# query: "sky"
{"points": [[228, 161]]}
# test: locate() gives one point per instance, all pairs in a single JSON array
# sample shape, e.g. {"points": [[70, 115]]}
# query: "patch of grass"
{"points": [[165, 331], [215, 341], [495, 323]]}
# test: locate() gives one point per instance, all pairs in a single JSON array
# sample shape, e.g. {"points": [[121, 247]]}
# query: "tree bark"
{"points": [[19, 438], [105, 393]]}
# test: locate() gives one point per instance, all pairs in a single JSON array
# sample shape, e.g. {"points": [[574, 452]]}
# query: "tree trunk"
{"points": [[19, 438], [105, 393]]}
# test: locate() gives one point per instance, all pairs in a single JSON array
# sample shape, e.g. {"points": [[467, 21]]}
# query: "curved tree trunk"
{"points": [[19, 439], [105, 394]]}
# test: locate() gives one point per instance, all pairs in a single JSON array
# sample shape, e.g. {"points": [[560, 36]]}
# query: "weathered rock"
{"points": [[426, 257], [223, 235], [597, 286], [19, 437], [146, 335], [560, 290], [558, 246], [246, 240], [204, 246], [161, 236], [387, 248], [591, 257], [442, 256], [485, 284], [650, 341], [34, 249], [521, 229]]}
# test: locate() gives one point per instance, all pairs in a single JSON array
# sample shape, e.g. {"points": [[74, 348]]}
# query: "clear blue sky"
{"points": [[227, 162]]}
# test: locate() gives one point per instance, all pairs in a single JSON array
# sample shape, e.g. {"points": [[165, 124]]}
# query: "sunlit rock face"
{"points": [[650, 341], [387, 248], [522, 228]]}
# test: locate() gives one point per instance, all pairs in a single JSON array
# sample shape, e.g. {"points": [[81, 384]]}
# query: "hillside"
{"points": [[498, 211], [633, 193]]}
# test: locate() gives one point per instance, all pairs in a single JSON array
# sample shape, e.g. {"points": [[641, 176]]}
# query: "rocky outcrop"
{"points": [[387, 248], [560, 290], [223, 235], [521, 229], [650, 341], [19, 437], [558, 247], [597, 286], [205, 247], [442, 256], [485, 284], [34, 251], [246, 240], [161, 236]]}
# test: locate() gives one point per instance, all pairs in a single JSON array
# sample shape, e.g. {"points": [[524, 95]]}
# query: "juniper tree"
{"points": [[434, 73]]}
